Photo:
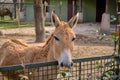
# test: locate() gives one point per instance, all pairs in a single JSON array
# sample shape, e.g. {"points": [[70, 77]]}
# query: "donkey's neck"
{"points": [[47, 45], [44, 51], [48, 48]]}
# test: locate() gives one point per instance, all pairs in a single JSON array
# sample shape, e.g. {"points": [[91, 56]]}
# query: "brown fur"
{"points": [[5, 12], [17, 51]]}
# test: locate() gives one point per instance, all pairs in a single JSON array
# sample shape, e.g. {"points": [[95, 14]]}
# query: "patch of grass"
{"points": [[13, 25], [6, 18], [8, 23], [47, 24], [46, 31]]}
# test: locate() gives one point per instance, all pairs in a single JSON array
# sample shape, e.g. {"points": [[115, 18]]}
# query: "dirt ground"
{"points": [[87, 44]]}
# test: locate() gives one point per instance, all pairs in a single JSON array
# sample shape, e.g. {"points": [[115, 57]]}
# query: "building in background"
{"points": [[92, 9]]}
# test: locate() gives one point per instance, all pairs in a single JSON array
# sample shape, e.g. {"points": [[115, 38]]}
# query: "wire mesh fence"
{"points": [[94, 68]]}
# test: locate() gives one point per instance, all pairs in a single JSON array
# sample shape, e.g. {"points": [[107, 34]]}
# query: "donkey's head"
{"points": [[63, 40]]}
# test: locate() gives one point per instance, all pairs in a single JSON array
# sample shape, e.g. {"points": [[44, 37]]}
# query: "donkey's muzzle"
{"points": [[68, 65]]}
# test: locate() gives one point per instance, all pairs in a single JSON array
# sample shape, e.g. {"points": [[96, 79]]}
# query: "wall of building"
{"points": [[55, 5], [112, 7], [89, 10], [29, 10]]}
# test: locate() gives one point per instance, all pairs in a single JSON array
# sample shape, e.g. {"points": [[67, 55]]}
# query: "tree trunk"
{"points": [[39, 21], [18, 13], [107, 6]]}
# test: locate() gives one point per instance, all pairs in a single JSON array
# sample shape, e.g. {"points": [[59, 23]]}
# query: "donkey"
{"points": [[5, 12], [59, 46]]}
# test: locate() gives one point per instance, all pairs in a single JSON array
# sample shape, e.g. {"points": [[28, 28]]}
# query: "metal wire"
{"points": [[84, 69]]}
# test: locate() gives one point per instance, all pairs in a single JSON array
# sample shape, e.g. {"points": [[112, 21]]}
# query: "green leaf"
{"points": [[63, 74], [99, 65], [114, 37]]}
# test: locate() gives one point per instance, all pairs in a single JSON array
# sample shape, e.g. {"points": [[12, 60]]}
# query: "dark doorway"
{"points": [[100, 9], [70, 9]]}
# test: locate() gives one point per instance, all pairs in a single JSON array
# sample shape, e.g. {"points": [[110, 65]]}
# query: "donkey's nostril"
{"points": [[71, 64], [61, 65]]}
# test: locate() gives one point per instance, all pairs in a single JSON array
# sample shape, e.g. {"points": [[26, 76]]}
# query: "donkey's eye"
{"points": [[73, 39], [56, 38]]}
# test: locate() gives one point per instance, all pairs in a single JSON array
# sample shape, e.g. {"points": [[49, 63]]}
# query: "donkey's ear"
{"points": [[73, 21], [54, 19]]}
